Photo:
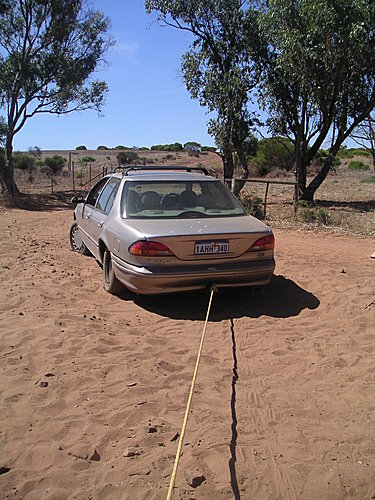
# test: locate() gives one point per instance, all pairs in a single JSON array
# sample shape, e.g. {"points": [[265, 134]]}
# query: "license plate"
{"points": [[211, 247]]}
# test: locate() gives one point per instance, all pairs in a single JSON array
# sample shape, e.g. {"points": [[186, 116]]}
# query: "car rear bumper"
{"points": [[154, 280]]}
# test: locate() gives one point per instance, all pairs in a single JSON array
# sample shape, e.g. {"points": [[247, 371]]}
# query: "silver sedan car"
{"points": [[170, 229]]}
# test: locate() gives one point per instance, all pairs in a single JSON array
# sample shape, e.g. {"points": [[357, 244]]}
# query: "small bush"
{"points": [[360, 152], [100, 148], [87, 159], [253, 205], [127, 157], [55, 163], [344, 153], [81, 148], [358, 165], [369, 180], [314, 214], [79, 175], [24, 162]]}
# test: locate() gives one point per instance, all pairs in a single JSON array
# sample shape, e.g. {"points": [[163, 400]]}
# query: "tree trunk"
{"points": [[300, 167], [228, 165], [6, 171], [239, 184], [310, 190]]}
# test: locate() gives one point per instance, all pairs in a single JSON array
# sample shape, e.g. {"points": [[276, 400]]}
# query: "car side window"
{"points": [[107, 196], [93, 195]]}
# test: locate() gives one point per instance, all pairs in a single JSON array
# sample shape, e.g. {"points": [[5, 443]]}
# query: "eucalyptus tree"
{"points": [[48, 51], [219, 69], [319, 77]]}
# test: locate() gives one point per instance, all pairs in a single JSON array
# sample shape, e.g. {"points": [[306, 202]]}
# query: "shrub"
{"points": [[252, 205], [87, 159], [360, 152], [369, 180], [344, 153], [79, 175], [81, 148], [358, 165], [24, 162], [127, 157], [209, 148], [120, 146], [313, 214], [100, 148], [55, 163]]}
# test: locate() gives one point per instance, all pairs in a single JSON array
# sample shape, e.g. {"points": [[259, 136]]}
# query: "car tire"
{"points": [[76, 243], [111, 283]]}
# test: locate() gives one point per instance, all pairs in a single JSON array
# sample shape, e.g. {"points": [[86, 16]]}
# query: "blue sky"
{"points": [[147, 102]]}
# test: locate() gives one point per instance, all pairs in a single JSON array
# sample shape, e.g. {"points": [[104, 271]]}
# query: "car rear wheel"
{"points": [[76, 242], [111, 283]]}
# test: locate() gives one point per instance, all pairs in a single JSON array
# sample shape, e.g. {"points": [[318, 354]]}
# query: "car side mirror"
{"points": [[78, 199]]}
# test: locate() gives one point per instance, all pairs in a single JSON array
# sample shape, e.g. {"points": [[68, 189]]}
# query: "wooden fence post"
{"points": [[265, 199]]}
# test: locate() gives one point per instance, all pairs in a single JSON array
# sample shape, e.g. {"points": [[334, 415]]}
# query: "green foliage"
{"points": [[344, 153], [358, 165], [143, 148], [250, 146], [369, 180], [87, 159], [321, 53], [271, 153], [253, 205], [102, 148], [24, 162], [127, 157], [120, 147], [359, 152], [321, 157], [310, 213], [209, 148], [175, 147], [81, 148], [79, 175], [55, 163], [192, 145]]}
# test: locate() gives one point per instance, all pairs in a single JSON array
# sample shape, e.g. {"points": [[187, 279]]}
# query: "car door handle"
{"points": [[88, 216], [100, 224]]}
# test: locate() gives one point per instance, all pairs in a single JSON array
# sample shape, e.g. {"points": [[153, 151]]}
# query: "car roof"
{"points": [[163, 175]]}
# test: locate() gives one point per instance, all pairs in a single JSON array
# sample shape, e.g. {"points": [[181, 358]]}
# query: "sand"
{"points": [[94, 387]]}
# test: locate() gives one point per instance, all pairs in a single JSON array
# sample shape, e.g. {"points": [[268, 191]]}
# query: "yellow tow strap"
{"points": [[177, 459]]}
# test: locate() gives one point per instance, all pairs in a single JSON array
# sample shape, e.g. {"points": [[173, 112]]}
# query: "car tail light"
{"points": [[265, 243], [149, 249]]}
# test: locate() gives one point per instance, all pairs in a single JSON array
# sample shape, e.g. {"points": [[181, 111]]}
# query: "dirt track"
{"points": [[284, 404]]}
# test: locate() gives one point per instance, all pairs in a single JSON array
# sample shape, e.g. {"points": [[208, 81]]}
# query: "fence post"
{"points": [[73, 176], [265, 199], [51, 183]]}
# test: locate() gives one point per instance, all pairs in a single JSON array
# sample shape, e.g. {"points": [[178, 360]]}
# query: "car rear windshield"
{"points": [[181, 199]]}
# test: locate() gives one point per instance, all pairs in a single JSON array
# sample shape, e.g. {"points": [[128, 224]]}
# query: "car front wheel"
{"points": [[111, 283], [76, 242]]}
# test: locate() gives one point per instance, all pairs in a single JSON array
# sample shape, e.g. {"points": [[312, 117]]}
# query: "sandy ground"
{"points": [[94, 387]]}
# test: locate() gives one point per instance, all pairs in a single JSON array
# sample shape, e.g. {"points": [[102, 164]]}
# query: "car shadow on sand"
{"points": [[282, 298]]}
